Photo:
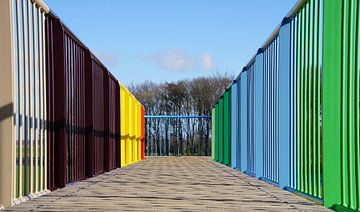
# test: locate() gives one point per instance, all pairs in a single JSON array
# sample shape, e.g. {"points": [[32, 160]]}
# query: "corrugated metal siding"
{"points": [[235, 150], [308, 92], [213, 134], [67, 121], [243, 98], [341, 105], [271, 111], [250, 95], [217, 132], [227, 129], [221, 130]]}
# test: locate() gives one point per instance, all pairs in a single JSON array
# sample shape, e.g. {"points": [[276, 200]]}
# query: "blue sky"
{"points": [[170, 40]]}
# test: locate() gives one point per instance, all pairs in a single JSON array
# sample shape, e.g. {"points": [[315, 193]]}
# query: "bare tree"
{"points": [[187, 97]]}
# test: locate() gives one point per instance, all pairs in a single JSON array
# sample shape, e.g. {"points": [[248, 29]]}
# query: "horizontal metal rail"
{"points": [[178, 117]]}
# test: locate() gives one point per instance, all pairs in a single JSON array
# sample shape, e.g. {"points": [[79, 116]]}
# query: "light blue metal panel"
{"points": [[243, 120], [259, 114], [284, 105], [293, 102], [234, 127], [251, 119], [271, 111]]}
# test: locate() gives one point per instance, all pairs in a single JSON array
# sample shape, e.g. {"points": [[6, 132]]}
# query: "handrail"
{"points": [[175, 117], [41, 4], [297, 6]]}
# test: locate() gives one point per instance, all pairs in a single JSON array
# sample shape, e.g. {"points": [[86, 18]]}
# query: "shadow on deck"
{"points": [[171, 184]]}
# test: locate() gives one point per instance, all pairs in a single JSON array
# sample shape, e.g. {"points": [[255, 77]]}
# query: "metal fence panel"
{"points": [[217, 131], [227, 129], [259, 114], [285, 121], [169, 135], [251, 119], [221, 130], [243, 97], [341, 105], [213, 133], [67, 106], [308, 91], [271, 107], [235, 153]]}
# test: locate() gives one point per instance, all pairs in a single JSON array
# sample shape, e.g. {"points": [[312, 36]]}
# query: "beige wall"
{"points": [[6, 102]]}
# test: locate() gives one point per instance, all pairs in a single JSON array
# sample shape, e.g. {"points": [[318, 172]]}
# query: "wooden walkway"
{"points": [[171, 184]]}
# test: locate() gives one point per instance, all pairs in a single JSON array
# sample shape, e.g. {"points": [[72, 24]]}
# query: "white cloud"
{"points": [[179, 60], [174, 59], [207, 62], [111, 60]]}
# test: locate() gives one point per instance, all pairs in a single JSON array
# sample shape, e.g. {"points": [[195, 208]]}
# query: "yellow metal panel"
{"points": [[122, 110], [137, 120], [127, 117], [131, 119], [138, 127], [134, 150], [128, 148], [123, 152]]}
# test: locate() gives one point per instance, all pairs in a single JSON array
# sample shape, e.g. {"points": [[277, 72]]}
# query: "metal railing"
{"points": [[23, 91], [177, 135]]}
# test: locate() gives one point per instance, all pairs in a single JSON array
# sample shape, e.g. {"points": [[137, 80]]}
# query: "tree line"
{"points": [[179, 136]]}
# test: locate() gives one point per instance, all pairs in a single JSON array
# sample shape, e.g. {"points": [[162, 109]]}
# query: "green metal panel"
{"points": [[227, 126], [217, 132], [341, 104], [308, 95], [213, 135], [221, 130]]}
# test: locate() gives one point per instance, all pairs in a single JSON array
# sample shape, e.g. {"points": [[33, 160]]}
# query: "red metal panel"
{"points": [[83, 106], [98, 114], [117, 123], [65, 104], [56, 103], [112, 119]]}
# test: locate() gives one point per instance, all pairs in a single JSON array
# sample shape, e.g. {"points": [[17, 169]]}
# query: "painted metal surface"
{"points": [[271, 111], [308, 92], [55, 95], [341, 102], [243, 120], [213, 134], [112, 129], [259, 114], [23, 94], [66, 105], [250, 95], [221, 130], [217, 131], [235, 154], [285, 120], [227, 129]]}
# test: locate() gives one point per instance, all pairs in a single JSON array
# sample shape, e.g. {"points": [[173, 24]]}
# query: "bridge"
{"points": [[171, 184], [285, 134]]}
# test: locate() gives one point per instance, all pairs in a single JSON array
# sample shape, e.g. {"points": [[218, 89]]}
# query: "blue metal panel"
{"points": [[251, 119], [293, 103], [178, 117], [243, 120], [271, 111], [259, 115], [234, 127], [284, 105]]}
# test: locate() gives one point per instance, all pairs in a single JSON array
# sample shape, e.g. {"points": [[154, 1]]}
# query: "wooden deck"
{"points": [[171, 184]]}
